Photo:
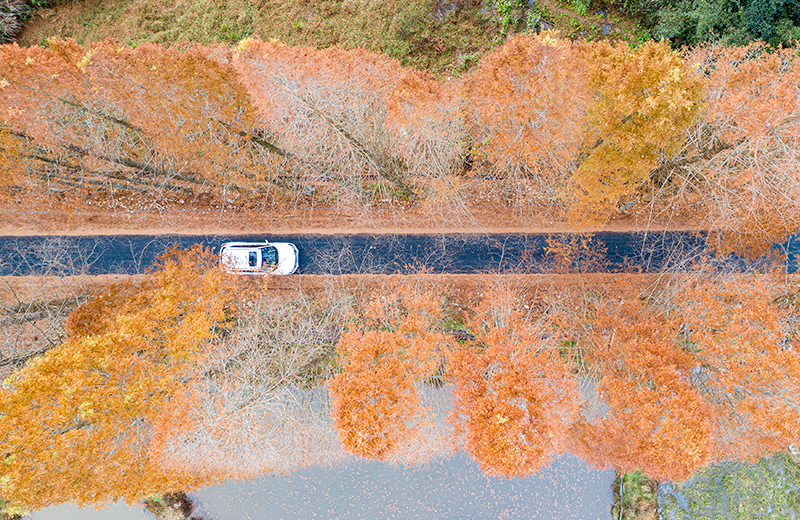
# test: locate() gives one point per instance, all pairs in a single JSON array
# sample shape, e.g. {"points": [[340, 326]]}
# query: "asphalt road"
{"points": [[377, 254]]}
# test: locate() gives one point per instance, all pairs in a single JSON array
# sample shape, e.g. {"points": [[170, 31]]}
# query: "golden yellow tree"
{"points": [[587, 122], [76, 422], [644, 100]]}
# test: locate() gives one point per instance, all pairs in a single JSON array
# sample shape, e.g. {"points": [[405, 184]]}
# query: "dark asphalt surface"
{"points": [[348, 254]]}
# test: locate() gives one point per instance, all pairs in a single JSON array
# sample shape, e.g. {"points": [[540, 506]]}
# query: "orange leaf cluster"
{"points": [[527, 108], [154, 115], [515, 397], [708, 375], [656, 420], [376, 406], [77, 420], [12, 167], [745, 364], [187, 102]]}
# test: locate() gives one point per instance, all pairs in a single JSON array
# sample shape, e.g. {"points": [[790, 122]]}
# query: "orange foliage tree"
{"points": [[50, 102], [514, 395], [191, 105], [706, 373], [740, 167], [586, 121], [254, 118], [375, 403], [742, 341], [76, 422], [526, 108], [424, 119], [656, 420]]}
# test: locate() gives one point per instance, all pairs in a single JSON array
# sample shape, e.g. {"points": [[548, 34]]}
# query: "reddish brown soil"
{"points": [[471, 287], [482, 219]]}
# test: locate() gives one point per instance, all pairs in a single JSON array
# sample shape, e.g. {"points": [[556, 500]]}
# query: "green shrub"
{"points": [[689, 22]]}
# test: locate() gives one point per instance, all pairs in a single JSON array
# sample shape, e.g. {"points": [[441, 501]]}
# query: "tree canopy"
{"points": [[76, 421]]}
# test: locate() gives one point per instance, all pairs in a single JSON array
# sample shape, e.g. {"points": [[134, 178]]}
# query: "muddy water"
{"points": [[451, 488], [110, 512]]}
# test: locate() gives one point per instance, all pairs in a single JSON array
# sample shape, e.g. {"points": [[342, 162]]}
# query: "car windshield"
{"points": [[269, 256]]}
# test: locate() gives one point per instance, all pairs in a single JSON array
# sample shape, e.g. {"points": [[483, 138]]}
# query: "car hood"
{"points": [[288, 258]]}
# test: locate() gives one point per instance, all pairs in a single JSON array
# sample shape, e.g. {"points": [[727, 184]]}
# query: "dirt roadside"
{"points": [[467, 289], [390, 220]]}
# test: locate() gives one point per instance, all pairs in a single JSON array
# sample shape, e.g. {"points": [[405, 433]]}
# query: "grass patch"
{"points": [[445, 39], [639, 497], [768, 489]]}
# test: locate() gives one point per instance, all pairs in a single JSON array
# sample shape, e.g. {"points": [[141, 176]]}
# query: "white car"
{"points": [[259, 257]]}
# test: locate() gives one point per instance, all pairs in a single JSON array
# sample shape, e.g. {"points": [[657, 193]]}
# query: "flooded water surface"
{"points": [[451, 488], [359, 489]]}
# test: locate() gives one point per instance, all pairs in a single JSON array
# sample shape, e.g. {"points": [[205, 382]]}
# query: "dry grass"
{"points": [[446, 38], [409, 31], [12, 12]]}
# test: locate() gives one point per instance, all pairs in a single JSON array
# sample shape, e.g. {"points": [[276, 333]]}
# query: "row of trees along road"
{"points": [[709, 134], [189, 376]]}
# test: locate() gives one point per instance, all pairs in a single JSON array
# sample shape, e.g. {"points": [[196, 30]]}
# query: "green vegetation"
{"points": [[419, 33], [737, 491], [511, 13], [689, 22], [639, 497], [11, 512], [692, 21], [444, 38], [169, 506]]}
